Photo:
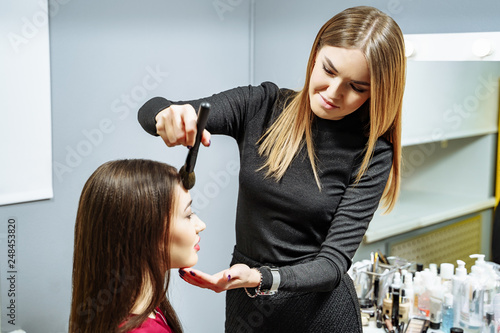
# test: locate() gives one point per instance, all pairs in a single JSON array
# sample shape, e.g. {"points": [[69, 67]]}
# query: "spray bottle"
{"points": [[409, 292]]}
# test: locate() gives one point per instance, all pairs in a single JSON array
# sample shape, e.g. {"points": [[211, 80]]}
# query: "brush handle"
{"points": [[203, 112]]}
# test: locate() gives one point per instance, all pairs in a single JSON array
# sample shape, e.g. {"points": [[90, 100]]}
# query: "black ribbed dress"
{"points": [[311, 235]]}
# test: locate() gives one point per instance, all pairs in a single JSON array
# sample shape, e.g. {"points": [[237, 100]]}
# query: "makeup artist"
{"points": [[314, 166]]}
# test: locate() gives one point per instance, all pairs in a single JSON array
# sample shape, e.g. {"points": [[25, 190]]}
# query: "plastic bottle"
{"points": [[448, 317], [458, 290], [489, 325], [396, 280], [471, 308], [436, 304], [433, 269], [496, 311], [417, 290], [424, 299], [409, 292], [489, 290], [446, 270]]}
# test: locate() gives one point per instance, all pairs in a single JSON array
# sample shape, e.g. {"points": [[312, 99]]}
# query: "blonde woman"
{"points": [[314, 166]]}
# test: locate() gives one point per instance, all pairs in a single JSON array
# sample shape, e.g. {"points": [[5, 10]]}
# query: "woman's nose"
{"points": [[334, 90], [200, 225]]}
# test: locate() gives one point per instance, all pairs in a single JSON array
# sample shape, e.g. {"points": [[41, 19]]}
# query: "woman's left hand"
{"points": [[238, 276]]}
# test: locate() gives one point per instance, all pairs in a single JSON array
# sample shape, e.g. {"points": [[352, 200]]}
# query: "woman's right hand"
{"points": [[177, 126]]}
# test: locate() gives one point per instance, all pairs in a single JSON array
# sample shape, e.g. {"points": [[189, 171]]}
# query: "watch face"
{"points": [[276, 280]]}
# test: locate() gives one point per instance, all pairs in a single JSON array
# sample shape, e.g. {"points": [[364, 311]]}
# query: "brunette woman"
{"points": [[134, 224]]}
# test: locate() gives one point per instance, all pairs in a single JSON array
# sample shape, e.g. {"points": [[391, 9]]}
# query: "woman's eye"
{"points": [[329, 72], [190, 215], [358, 89]]}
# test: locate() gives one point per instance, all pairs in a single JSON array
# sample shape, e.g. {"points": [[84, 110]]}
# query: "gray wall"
{"points": [[103, 54]]}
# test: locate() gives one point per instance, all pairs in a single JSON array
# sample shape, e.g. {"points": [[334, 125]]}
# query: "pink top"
{"points": [[156, 325]]}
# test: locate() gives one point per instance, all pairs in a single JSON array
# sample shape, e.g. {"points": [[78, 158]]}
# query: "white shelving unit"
{"points": [[450, 128]]}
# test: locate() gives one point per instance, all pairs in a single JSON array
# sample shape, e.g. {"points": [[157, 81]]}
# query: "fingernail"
{"points": [[192, 273], [228, 278], [182, 272], [189, 147]]}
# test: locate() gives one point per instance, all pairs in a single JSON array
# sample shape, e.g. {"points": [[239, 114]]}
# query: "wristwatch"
{"points": [[276, 279], [275, 285]]}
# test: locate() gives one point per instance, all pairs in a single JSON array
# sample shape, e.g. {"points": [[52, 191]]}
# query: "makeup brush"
{"points": [[187, 171]]}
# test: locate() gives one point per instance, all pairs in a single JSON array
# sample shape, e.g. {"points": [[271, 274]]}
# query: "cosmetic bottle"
{"points": [[471, 307], [387, 303], [446, 274], [396, 282], [404, 307], [417, 290], [458, 290], [408, 291], [489, 280], [424, 299], [433, 269], [489, 324], [436, 305], [447, 322], [496, 311]]}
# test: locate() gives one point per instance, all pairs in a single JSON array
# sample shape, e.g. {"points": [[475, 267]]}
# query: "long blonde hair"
{"points": [[380, 39]]}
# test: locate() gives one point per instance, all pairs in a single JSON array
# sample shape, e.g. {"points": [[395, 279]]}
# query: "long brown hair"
{"points": [[121, 246], [380, 39]]}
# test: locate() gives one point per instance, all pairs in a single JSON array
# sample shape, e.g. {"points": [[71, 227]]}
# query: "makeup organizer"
{"points": [[397, 295]]}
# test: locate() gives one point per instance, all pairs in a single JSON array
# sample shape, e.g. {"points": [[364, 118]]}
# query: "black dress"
{"points": [[311, 235]]}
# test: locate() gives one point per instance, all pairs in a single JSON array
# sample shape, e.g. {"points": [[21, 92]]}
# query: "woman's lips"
{"points": [[197, 246], [327, 104]]}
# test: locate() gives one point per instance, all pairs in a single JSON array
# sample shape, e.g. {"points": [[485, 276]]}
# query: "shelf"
{"points": [[436, 108], [406, 142], [432, 208]]}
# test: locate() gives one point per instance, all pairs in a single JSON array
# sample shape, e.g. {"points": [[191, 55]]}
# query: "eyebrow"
{"points": [[335, 69], [188, 205]]}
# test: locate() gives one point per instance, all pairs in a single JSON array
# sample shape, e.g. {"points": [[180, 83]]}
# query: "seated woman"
{"points": [[134, 223]]}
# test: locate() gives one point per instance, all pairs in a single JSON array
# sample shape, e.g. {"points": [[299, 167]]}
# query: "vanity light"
{"points": [[409, 49], [482, 47]]}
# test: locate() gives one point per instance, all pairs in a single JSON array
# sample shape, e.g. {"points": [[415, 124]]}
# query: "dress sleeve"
{"points": [[353, 215], [230, 110]]}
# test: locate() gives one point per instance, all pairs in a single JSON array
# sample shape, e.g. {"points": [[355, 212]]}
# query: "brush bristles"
{"points": [[188, 179]]}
